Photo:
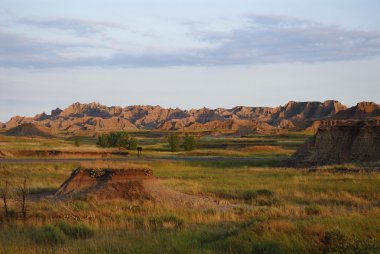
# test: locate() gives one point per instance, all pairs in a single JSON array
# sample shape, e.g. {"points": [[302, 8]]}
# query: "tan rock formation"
{"points": [[341, 142], [97, 117]]}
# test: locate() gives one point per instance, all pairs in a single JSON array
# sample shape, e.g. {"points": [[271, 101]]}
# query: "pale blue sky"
{"points": [[186, 53]]}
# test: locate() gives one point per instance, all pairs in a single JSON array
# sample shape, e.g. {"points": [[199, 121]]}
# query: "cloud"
{"points": [[78, 26], [260, 39], [273, 39]]}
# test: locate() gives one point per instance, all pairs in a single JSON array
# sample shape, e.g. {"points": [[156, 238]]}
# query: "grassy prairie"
{"points": [[272, 210], [263, 208]]}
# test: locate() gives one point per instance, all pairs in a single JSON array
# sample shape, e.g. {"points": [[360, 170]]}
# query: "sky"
{"points": [[186, 53]]}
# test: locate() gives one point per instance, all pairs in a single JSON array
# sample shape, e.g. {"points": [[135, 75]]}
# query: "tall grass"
{"points": [[311, 213]]}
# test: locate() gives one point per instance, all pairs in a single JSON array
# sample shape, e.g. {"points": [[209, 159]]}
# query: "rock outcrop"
{"points": [[107, 183], [339, 142], [133, 183], [362, 110], [97, 117]]}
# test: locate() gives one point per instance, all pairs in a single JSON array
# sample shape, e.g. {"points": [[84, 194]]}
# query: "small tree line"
{"points": [[8, 193], [117, 139], [187, 142]]}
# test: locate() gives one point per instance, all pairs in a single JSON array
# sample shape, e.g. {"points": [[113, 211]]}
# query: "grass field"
{"points": [[265, 209]]}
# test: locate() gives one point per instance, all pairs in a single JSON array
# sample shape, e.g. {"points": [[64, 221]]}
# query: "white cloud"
{"points": [[261, 39]]}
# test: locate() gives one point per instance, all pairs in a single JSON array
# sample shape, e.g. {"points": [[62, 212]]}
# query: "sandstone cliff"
{"points": [[96, 117], [360, 111], [341, 142]]}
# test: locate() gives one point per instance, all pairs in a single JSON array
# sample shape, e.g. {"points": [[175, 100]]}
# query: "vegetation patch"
{"points": [[165, 221], [79, 231], [261, 197], [50, 235]]}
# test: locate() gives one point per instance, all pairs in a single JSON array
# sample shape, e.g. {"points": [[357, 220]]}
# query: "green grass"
{"points": [[334, 209], [275, 209]]}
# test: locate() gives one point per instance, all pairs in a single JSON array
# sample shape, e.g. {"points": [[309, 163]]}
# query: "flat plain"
{"points": [[261, 207]]}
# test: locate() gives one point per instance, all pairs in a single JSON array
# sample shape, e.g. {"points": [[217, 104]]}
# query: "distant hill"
{"points": [[29, 130], [97, 117], [360, 111]]}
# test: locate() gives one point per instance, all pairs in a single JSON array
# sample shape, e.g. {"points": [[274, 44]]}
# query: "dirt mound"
{"points": [[106, 183], [131, 184], [343, 142], [29, 130]]}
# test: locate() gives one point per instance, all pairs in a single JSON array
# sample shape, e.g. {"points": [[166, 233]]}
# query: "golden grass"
{"points": [[267, 149], [345, 200], [99, 165]]}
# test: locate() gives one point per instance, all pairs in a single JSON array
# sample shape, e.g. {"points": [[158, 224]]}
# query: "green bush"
{"points": [[189, 143], [117, 139], [173, 141], [49, 235], [80, 231], [312, 210], [337, 241]]}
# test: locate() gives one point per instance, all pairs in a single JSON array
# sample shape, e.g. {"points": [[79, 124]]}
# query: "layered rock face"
{"points": [[339, 142], [361, 111], [96, 117]]}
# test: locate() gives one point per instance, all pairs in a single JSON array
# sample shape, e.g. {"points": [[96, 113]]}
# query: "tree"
{"points": [[5, 196], [24, 192], [132, 143], [117, 139], [189, 142], [173, 141]]}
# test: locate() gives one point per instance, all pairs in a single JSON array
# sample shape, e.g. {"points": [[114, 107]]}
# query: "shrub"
{"points": [[337, 241], [260, 197], [173, 141], [334, 237], [189, 142], [117, 139], [312, 210], [80, 231], [166, 221], [49, 235]]}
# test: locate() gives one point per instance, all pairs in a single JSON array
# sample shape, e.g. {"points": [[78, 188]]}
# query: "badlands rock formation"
{"points": [[361, 111], [94, 116], [340, 141], [107, 183]]}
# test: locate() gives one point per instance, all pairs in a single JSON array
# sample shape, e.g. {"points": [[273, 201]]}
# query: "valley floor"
{"points": [[261, 208]]}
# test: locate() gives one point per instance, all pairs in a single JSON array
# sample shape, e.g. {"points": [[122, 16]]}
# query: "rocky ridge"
{"points": [[97, 117]]}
